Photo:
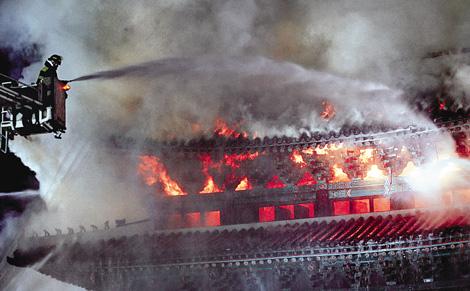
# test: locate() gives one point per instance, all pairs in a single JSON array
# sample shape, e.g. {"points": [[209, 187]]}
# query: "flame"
{"points": [[209, 186], [66, 87], [275, 183], [326, 150], [328, 110], [234, 160], [297, 158], [374, 173], [153, 171], [366, 155], [222, 129], [321, 151], [244, 185], [308, 151], [339, 175], [306, 180], [335, 147]]}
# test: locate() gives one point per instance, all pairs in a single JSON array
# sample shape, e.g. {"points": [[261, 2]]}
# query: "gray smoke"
{"points": [[241, 88], [310, 51], [266, 65]]}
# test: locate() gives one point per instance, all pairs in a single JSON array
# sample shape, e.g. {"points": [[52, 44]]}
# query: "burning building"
{"points": [[249, 144], [326, 210]]}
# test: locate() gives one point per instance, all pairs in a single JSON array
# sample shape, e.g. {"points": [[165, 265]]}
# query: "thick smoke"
{"points": [[265, 64], [279, 93], [267, 97]]}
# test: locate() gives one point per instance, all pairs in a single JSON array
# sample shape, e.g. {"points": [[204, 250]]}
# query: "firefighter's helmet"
{"points": [[55, 59]]}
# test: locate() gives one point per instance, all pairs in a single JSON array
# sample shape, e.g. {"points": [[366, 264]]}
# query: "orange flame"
{"points": [[374, 173], [297, 158], [328, 110], [327, 150], [339, 175], [222, 129], [153, 171], [209, 186], [275, 183], [66, 87], [308, 151], [244, 185], [306, 180], [366, 155], [234, 160], [321, 151]]}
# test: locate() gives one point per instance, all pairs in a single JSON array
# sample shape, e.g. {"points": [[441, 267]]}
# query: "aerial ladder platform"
{"points": [[31, 109]]}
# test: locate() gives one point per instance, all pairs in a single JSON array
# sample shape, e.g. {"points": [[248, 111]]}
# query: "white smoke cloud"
{"points": [[26, 279]]}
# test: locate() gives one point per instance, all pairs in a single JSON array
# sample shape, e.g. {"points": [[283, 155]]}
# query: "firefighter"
{"points": [[47, 75]]}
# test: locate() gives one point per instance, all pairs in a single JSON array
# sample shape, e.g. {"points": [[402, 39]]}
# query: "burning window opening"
{"points": [[244, 185], [275, 183], [153, 171], [209, 186]]}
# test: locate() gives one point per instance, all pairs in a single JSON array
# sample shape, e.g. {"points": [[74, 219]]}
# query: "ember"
{"points": [[306, 180], [234, 160], [222, 129], [275, 183]]}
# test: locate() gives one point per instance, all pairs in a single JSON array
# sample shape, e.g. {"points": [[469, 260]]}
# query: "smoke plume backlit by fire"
{"points": [[328, 110]]}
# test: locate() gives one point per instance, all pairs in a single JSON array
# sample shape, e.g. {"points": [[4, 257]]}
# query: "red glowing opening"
{"points": [[286, 212], [361, 206], [305, 208], [193, 219], [266, 214], [212, 218], [381, 204], [341, 207]]}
